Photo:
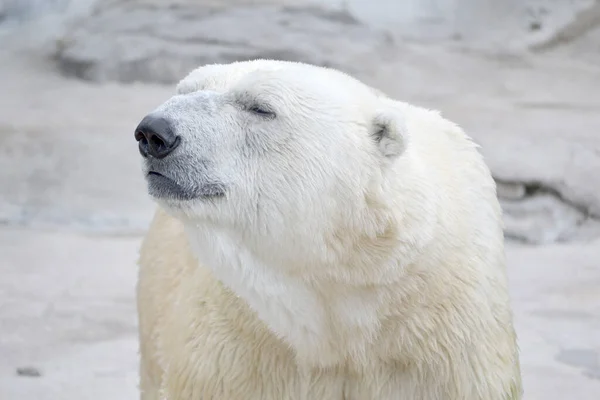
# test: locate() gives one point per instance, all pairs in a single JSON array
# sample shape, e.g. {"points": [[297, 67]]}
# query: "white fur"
{"points": [[362, 231]]}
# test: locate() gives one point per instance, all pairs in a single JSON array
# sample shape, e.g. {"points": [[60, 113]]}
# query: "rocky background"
{"points": [[521, 76]]}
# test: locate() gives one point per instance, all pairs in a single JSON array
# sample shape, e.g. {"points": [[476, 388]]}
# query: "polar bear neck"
{"points": [[324, 326]]}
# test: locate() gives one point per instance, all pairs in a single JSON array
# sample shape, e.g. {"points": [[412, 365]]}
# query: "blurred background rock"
{"points": [[521, 76]]}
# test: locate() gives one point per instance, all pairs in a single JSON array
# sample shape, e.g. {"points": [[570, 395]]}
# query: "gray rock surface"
{"points": [[160, 43], [68, 159], [483, 24], [40, 22], [22, 10], [67, 311]]}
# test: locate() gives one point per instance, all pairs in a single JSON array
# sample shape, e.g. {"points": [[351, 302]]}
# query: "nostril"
{"points": [[139, 135], [157, 142]]}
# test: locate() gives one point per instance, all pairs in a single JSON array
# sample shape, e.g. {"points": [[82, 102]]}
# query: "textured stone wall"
{"points": [[478, 22]]}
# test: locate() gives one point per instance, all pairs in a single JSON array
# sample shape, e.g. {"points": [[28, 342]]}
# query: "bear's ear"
{"points": [[390, 132]]}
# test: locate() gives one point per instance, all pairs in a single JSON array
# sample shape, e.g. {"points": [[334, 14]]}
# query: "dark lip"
{"points": [[161, 186]]}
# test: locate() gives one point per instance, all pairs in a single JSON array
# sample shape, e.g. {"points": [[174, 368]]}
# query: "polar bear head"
{"points": [[295, 160]]}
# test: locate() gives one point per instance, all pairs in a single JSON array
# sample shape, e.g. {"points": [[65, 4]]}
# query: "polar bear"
{"points": [[316, 239]]}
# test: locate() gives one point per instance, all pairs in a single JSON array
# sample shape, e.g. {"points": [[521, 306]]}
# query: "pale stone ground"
{"points": [[73, 206]]}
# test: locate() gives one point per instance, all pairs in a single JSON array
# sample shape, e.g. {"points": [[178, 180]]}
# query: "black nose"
{"points": [[155, 137]]}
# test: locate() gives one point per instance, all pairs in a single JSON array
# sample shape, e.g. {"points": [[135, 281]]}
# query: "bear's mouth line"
{"points": [[163, 186]]}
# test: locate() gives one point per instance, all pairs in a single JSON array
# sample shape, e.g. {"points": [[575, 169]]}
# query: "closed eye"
{"points": [[261, 111]]}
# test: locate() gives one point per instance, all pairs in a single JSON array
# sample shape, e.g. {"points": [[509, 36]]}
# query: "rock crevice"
{"points": [[538, 213]]}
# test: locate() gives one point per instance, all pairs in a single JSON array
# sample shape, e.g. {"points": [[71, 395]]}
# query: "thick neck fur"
{"points": [[326, 323], [330, 314], [433, 315]]}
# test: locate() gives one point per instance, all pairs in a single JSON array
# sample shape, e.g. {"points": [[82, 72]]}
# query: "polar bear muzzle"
{"points": [[156, 141]]}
